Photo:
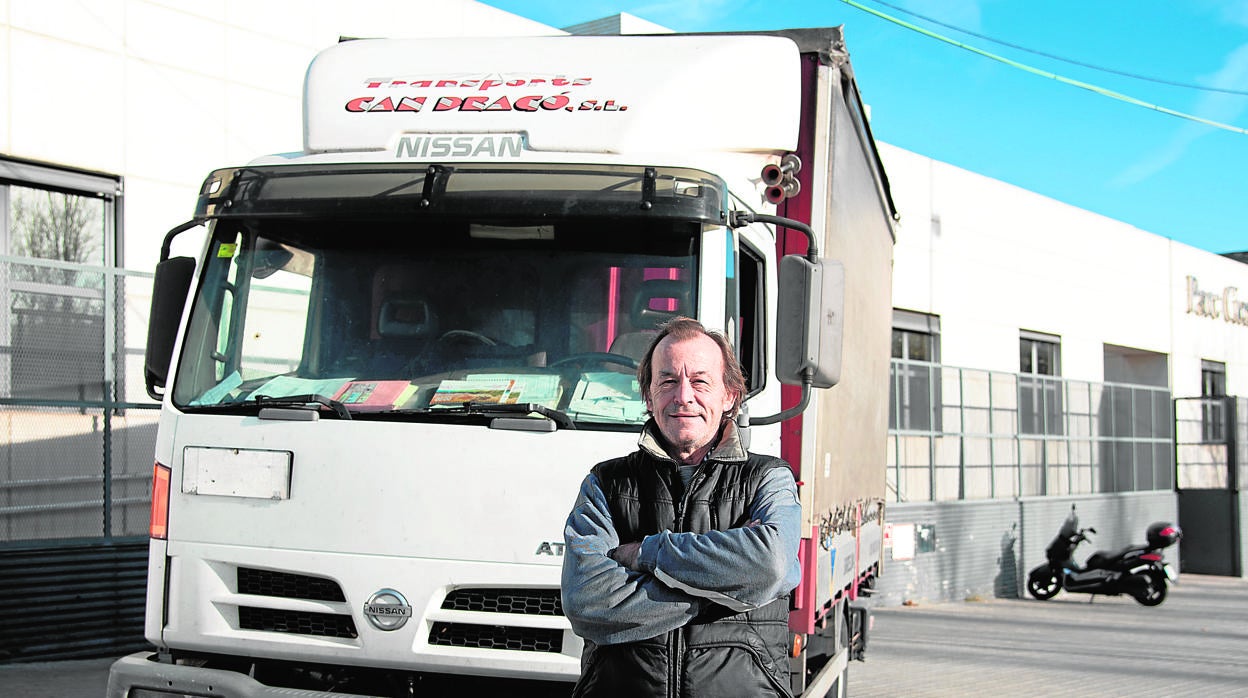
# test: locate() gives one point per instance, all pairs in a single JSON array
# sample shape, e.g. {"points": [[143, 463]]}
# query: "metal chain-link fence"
{"points": [[77, 429], [959, 433]]}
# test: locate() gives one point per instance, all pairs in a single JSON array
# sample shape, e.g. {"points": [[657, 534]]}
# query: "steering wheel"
{"points": [[467, 334], [601, 357]]}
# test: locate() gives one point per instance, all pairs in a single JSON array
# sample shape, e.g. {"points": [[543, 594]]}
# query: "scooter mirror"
{"points": [[1091, 530]]}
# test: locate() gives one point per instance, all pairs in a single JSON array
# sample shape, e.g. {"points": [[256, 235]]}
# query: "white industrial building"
{"points": [[1039, 346], [1046, 356], [995, 260]]}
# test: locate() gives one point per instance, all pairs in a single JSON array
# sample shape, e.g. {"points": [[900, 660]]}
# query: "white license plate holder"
{"points": [[236, 472]]}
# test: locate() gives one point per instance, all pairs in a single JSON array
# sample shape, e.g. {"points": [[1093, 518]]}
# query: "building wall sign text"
{"points": [[1226, 305]]}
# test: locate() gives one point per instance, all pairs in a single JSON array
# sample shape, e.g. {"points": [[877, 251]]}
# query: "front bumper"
{"points": [[140, 676]]}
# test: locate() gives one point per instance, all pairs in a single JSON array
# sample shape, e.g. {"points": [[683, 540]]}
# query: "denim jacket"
{"points": [[682, 574]]}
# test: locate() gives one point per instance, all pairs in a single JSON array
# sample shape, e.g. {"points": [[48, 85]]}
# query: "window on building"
{"points": [[1213, 406], [58, 229], [914, 385], [1039, 388], [1132, 416]]}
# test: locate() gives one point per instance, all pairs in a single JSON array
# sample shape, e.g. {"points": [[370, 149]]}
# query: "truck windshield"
{"points": [[413, 318]]}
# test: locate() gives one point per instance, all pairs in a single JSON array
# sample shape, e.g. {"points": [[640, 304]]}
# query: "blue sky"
{"points": [[1172, 176]]}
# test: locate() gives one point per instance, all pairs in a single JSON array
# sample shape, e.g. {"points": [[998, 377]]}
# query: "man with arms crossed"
{"points": [[680, 556]]}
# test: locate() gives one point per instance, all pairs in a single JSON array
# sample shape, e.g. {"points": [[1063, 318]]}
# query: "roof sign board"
{"points": [[569, 94]]}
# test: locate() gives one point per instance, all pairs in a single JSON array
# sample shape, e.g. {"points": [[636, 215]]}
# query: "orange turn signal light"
{"points": [[159, 527]]}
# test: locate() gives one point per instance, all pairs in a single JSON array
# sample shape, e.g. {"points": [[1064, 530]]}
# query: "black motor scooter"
{"points": [[1137, 570]]}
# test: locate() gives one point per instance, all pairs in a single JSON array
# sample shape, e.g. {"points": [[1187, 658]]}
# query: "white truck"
{"points": [[404, 346]]}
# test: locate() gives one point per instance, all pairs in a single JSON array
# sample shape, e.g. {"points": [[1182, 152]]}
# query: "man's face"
{"points": [[687, 394]]}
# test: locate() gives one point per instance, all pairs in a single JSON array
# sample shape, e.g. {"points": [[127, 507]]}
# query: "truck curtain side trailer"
{"points": [[403, 347]]}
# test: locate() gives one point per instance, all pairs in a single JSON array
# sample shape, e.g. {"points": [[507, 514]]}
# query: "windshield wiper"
{"points": [[309, 399], [490, 408], [262, 401]]}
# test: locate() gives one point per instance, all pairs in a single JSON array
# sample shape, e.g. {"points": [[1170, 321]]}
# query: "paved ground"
{"points": [[1194, 644], [85, 678]]}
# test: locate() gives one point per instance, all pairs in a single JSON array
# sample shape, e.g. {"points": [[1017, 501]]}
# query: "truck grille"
{"points": [[296, 622], [533, 602], [287, 586], [496, 637]]}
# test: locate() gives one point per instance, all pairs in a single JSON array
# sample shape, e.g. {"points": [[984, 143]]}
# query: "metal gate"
{"points": [[1209, 454], [72, 601]]}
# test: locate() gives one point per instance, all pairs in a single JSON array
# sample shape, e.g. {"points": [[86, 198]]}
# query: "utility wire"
{"points": [[1046, 74], [1135, 76]]}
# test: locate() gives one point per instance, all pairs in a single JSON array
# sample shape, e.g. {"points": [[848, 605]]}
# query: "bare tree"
{"points": [[56, 226]]}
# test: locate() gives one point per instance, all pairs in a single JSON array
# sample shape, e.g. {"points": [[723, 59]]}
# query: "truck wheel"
{"points": [[1155, 592], [1044, 584]]}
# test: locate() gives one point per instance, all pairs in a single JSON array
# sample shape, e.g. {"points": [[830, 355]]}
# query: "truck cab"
{"points": [[404, 346]]}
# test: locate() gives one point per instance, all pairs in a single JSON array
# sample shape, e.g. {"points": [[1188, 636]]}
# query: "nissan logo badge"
{"points": [[387, 610]]}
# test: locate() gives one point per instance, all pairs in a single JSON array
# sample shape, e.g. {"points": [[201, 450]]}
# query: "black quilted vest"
{"points": [[721, 654]]}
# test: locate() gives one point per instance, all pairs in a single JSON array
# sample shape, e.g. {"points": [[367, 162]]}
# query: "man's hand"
{"points": [[626, 555]]}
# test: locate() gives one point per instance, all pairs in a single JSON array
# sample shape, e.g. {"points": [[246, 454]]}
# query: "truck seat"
{"points": [[644, 317]]}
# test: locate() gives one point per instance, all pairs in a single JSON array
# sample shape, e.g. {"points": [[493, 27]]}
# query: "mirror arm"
{"points": [[791, 412], [743, 218], [167, 244]]}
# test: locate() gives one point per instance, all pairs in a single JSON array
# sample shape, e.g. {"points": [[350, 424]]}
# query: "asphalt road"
{"points": [[1194, 644]]}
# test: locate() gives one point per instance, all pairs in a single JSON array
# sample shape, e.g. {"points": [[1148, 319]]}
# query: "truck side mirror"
{"points": [[169, 288], [810, 321]]}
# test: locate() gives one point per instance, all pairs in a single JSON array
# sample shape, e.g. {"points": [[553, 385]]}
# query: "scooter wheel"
{"points": [[1044, 585], [1155, 593]]}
